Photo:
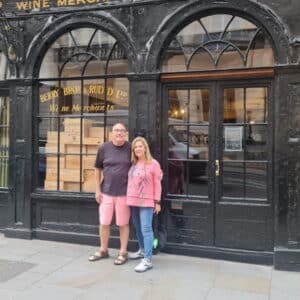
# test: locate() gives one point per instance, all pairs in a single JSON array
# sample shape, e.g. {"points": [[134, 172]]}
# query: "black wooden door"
{"points": [[243, 203], [218, 161]]}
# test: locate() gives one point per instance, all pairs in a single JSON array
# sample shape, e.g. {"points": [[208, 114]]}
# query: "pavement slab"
{"points": [[35, 269]]}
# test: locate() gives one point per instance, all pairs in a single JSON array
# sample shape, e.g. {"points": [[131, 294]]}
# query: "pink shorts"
{"points": [[108, 205]]}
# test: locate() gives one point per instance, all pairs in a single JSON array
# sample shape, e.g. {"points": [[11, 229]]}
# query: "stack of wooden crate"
{"points": [[71, 155]]}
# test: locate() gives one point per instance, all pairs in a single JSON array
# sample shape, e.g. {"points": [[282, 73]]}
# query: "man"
{"points": [[112, 163]]}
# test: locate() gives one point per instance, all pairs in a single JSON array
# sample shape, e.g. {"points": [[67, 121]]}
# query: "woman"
{"points": [[143, 195]]}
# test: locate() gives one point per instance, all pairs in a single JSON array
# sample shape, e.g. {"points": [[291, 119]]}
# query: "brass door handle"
{"points": [[217, 167]]}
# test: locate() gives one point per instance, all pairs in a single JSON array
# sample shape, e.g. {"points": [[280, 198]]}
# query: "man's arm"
{"points": [[98, 181]]}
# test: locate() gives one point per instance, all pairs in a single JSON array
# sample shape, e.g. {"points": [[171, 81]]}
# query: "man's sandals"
{"points": [[98, 255], [121, 259]]}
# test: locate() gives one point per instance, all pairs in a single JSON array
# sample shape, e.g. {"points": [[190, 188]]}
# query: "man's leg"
{"points": [[104, 232], [122, 220], [124, 236]]}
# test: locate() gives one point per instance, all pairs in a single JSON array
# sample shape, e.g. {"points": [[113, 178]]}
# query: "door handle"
{"points": [[217, 167]]}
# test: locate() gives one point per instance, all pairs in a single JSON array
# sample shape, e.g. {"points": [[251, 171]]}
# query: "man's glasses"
{"points": [[119, 130]]}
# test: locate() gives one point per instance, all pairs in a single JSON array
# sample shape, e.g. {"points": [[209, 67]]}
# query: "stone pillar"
{"points": [[287, 170], [145, 110], [19, 206]]}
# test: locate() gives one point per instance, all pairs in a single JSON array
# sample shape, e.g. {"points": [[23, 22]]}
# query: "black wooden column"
{"points": [[145, 110], [19, 206], [287, 164]]}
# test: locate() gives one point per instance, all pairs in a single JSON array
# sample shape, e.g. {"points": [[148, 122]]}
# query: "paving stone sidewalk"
{"points": [[34, 269]]}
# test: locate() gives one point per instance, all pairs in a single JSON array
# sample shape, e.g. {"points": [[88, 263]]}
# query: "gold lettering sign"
{"points": [[32, 5], [94, 90]]}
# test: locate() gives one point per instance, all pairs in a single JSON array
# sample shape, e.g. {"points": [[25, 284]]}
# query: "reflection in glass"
{"points": [[233, 105], [233, 180], [256, 180], [256, 142], [178, 101], [245, 180], [256, 105], [4, 140], [198, 175], [176, 175], [199, 106], [188, 140]]}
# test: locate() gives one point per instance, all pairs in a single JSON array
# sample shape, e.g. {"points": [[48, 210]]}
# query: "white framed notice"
{"points": [[233, 138]]}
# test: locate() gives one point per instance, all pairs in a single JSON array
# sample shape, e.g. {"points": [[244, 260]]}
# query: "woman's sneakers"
{"points": [[137, 255], [144, 265]]}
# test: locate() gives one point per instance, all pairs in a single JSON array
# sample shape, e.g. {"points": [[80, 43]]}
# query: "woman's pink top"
{"points": [[144, 184]]}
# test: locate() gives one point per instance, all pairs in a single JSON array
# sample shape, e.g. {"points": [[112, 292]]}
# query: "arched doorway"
{"points": [[218, 134]]}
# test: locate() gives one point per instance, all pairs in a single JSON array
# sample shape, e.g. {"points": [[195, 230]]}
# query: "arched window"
{"points": [[220, 41], [83, 91]]}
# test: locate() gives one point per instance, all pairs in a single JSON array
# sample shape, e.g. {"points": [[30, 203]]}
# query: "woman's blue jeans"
{"points": [[142, 220]]}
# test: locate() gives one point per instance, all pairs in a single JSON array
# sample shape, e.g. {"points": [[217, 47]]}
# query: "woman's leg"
{"points": [[146, 217], [135, 215]]}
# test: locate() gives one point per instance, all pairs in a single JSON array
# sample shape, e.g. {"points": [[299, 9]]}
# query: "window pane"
{"points": [[233, 180], [256, 180], [199, 106], [49, 94], [4, 69], [176, 175], [256, 142], [234, 105], [178, 104], [198, 175], [256, 105], [83, 51], [198, 142], [4, 141]]}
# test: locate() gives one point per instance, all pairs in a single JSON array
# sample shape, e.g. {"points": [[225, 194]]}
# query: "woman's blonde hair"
{"points": [[145, 144]]}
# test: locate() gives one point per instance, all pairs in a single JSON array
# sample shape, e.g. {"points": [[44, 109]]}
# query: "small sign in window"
{"points": [[233, 138]]}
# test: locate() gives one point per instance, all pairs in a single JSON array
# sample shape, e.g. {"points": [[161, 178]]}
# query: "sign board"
{"points": [[21, 6], [233, 138]]}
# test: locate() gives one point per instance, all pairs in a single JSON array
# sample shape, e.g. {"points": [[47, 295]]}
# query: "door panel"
{"points": [[188, 190], [219, 163], [243, 208]]}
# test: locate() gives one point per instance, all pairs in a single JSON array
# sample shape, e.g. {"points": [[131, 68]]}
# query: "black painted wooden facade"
{"points": [[260, 233]]}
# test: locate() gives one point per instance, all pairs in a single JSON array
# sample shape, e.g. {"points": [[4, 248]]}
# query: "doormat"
{"points": [[10, 269]]}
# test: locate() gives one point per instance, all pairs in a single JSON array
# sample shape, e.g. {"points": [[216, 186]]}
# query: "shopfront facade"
{"points": [[213, 86]]}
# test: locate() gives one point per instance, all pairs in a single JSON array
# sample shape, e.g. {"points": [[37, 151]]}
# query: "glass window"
{"points": [[218, 42], [4, 141], [188, 125], [79, 101], [245, 141]]}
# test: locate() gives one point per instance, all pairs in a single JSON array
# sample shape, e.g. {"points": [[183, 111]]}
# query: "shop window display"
{"points": [[83, 91]]}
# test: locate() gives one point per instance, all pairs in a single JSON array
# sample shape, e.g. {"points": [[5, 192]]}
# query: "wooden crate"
{"points": [[91, 149], [89, 186], [50, 185], [72, 161], [70, 186], [92, 141], [88, 175], [89, 161], [72, 148], [52, 162], [70, 175], [51, 174], [96, 132], [73, 126], [51, 148]]}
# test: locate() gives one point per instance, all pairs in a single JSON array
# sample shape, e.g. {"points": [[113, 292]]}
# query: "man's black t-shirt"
{"points": [[115, 162]]}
